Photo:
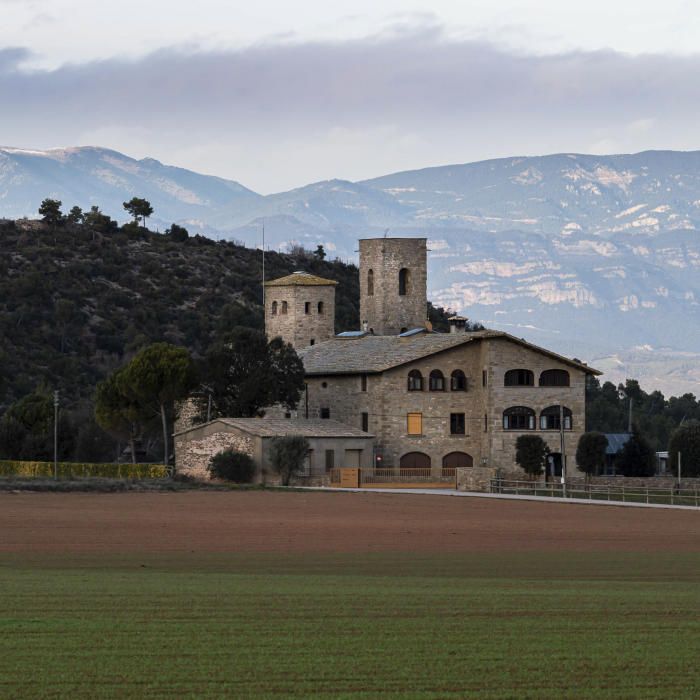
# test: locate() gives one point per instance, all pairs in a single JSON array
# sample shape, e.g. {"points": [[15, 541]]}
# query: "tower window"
{"points": [[457, 424], [414, 423], [370, 283], [312, 341], [436, 381], [365, 422], [415, 380], [363, 382], [284, 307], [403, 281], [325, 413], [320, 307], [274, 308], [518, 418], [519, 377], [554, 377], [550, 418], [307, 307], [458, 381]]}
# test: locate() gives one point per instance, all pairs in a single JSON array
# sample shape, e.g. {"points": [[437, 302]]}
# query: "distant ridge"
{"points": [[593, 256]]}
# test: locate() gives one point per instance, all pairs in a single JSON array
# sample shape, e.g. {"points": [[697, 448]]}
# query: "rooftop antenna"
{"points": [[263, 263], [386, 230]]}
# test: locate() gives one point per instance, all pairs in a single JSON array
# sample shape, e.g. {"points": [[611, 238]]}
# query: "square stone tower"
{"points": [[393, 284], [300, 308]]}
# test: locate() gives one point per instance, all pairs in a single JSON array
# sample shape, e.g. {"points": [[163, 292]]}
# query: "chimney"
{"points": [[458, 324]]}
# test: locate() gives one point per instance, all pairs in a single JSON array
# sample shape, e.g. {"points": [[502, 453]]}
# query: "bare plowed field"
{"points": [[310, 522]]}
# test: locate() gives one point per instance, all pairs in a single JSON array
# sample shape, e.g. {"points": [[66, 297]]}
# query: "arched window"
{"points": [[437, 381], [519, 377], [370, 283], [403, 281], [415, 380], [457, 460], [414, 460], [518, 418], [554, 377], [550, 418], [274, 308], [284, 307], [320, 307], [458, 381]]}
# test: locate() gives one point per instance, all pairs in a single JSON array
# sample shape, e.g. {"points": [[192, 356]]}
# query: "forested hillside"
{"points": [[76, 302]]}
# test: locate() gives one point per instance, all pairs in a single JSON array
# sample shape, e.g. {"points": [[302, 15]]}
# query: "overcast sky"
{"points": [[277, 94]]}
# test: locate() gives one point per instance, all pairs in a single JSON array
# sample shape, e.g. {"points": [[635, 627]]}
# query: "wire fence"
{"points": [[596, 492]]}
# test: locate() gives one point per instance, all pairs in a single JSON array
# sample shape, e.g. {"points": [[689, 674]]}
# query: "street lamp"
{"points": [[55, 433]]}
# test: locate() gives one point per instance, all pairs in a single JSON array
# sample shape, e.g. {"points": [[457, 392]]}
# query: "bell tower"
{"points": [[393, 284]]}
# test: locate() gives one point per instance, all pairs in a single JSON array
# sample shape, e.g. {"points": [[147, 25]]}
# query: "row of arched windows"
{"points": [[404, 279], [420, 460], [526, 377], [524, 418], [436, 381], [283, 308]]}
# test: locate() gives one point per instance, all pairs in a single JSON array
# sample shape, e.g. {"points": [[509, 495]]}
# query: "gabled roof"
{"points": [[371, 354], [274, 427], [300, 279]]}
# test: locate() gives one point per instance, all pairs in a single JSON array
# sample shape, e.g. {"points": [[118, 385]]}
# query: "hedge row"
{"points": [[78, 469]]}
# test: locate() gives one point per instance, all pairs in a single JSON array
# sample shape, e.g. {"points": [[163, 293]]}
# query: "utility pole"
{"points": [[629, 420], [263, 264], [55, 433], [679, 471], [562, 448]]}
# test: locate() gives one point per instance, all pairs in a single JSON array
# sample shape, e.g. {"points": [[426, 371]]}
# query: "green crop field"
{"points": [[339, 626]]}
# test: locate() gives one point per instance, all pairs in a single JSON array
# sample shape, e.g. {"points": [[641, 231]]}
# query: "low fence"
{"points": [[596, 492], [81, 470], [397, 477]]}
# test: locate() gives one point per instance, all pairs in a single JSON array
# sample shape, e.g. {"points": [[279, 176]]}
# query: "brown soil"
{"points": [[329, 522]]}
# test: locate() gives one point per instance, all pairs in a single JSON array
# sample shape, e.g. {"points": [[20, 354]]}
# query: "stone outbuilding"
{"points": [[332, 444]]}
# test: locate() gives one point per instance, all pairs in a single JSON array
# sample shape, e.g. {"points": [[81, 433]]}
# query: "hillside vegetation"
{"points": [[75, 303]]}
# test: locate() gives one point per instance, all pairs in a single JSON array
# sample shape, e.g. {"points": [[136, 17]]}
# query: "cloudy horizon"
{"points": [[281, 110]]}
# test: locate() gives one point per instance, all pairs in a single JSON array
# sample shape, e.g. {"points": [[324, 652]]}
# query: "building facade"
{"points": [[446, 400]]}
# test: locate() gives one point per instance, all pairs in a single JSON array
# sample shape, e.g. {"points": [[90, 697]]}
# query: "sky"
{"points": [[276, 94]]}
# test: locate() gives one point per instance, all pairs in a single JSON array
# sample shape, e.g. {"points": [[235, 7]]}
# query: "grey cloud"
{"points": [[416, 81], [407, 78]]}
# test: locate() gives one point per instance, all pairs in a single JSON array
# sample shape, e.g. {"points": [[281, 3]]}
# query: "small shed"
{"points": [[331, 444]]}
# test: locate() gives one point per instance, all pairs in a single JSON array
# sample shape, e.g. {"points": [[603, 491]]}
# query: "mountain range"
{"points": [[594, 256]]}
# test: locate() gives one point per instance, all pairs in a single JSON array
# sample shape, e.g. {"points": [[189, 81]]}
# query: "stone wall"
{"points": [[192, 454], [385, 311], [475, 479]]}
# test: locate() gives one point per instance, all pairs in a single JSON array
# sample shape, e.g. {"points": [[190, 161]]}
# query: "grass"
{"points": [[360, 626]]}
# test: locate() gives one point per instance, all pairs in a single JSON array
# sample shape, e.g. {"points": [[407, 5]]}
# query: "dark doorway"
{"points": [[415, 460]]}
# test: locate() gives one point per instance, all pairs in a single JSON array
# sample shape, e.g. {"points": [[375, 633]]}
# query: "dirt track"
{"points": [[329, 522]]}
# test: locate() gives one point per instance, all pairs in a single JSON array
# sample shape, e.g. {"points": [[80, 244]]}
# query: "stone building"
{"points": [[300, 308], [331, 444], [415, 398], [393, 284], [448, 400]]}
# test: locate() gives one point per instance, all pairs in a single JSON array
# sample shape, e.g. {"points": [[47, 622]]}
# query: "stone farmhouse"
{"points": [[423, 399]]}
